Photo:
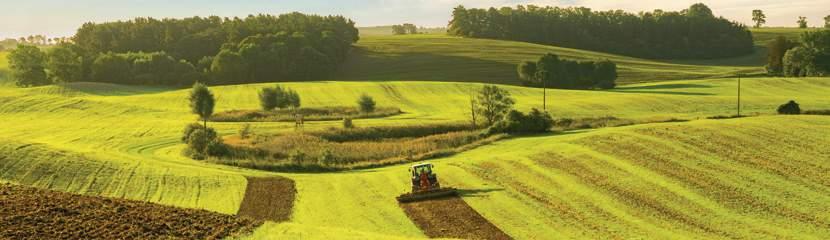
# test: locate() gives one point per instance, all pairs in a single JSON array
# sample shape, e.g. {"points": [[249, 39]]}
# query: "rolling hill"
{"points": [[120, 141], [755, 177], [438, 57]]}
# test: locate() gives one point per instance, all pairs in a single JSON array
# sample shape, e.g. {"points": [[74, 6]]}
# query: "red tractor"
{"points": [[425, 185]]}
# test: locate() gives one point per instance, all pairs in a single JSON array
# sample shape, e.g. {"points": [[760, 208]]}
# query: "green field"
{"points": [[438, 57], [759, 177]]}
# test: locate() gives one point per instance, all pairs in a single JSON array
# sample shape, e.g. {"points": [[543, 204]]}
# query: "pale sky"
{"points": [[63, 17]]}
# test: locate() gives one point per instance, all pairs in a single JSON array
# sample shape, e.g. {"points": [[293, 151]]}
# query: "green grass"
{"points": [[387, 31], [119, 141], [437, 57], [764, 35]]}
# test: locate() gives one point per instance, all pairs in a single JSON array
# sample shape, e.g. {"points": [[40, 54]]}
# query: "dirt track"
{"points": [[451, 217], [269, 199], [30, 213]]}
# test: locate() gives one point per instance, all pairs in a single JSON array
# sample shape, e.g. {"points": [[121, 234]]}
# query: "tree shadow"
{"points": [[666, 92], [665, 86], [477, 192], [111, 89], [364, 64]]}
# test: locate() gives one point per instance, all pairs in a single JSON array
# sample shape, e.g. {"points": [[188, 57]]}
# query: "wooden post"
{"points": [[739, 95]]}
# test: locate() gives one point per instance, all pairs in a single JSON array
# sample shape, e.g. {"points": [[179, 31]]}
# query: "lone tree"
{"points": [[759, 18], [28, 65], [802, 22], [493, 103], [202, 102], [789, 108], [366, 103]]}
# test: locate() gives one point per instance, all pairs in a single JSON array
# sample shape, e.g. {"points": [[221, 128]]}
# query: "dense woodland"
{"points": [[688, 34], [217, 50]]}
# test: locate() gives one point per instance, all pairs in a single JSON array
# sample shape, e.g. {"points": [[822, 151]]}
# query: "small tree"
{"points": [[776, 50], [827, 21], [268, 98], [802, 22], [65, 65], [292, 98], [398, 30], [347, 123], [759, 18], [28, 65], [366, 103], [789, 108], [202, 102], [493, 103]]}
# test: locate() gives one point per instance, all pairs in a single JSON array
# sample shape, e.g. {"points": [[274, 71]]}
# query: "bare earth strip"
{"points": [[270, 199], [31, 213], [451, 217]]}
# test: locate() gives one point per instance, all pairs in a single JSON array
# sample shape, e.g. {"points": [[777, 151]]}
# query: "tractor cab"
{"points": [[419, 183]]}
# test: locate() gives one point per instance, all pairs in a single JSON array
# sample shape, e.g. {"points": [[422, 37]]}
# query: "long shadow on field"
{"points": [[665, 86], [477, 192], [269, 199], [365, 64], [664, 92], [109, 89]]}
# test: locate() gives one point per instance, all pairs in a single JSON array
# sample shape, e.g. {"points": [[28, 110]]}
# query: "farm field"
{"points": [[438, 57], [120, 141]]}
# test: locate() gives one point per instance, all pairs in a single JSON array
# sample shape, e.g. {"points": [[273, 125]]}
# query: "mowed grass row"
{"points": [[656, 181], [438, 57]]}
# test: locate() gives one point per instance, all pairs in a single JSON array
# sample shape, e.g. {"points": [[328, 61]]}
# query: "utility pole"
{"points": [[739, 95], [544, 96]]}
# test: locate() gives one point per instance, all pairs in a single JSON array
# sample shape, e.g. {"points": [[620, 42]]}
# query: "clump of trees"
{"points": [[201, 140], [28, 66], [277, 97], [495, 105], [691, 33], [179, 52], [403, 29], [552, 71], [811, 57], [775, 54], [516, 122], [789, 108]]}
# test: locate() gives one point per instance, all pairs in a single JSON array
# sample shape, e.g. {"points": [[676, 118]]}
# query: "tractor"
{"points": [[425, 185]]}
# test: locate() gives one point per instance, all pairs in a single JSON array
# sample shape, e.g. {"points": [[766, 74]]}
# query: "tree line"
{"points": [[217, 50], [691, 33], [552, 71], [403, 29]]}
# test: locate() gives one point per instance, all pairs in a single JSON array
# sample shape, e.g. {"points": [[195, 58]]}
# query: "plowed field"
{"points": [[30, 213], [451, 217]]}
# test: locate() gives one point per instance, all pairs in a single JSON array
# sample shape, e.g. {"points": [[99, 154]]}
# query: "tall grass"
{"points": [[309, 114]]}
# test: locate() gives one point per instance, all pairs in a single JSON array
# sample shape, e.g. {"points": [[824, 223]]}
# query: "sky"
{"points": [[58, 18]]}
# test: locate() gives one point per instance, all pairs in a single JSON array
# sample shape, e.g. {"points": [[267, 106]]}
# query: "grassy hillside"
{"points": [[436, 57], [387, 31], [762, 36], [121, 141]]}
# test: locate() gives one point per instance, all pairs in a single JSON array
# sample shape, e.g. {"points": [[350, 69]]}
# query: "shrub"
{"points": [[366, 103], [203, 142], [789, 108], [188, 131], [347, 123], [517, 122], [268, 99]]}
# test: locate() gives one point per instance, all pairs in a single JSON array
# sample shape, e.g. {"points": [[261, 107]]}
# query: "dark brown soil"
{"points": [[451, 217], [31, 213], [269, 199]]}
